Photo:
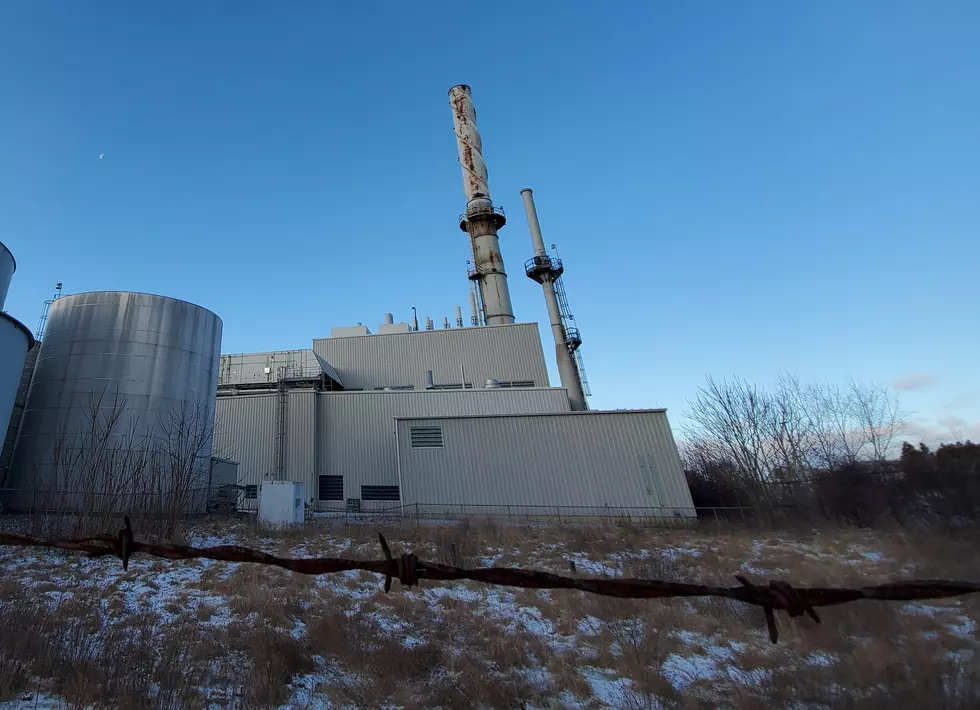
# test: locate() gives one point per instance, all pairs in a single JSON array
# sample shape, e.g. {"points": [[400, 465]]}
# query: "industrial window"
{"points": [[251, 492], [331, 488], [426, 437], [380, 493]]}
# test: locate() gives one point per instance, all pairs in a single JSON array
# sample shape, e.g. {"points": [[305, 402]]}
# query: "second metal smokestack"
{"points": [[481, 220], [546, 271]]}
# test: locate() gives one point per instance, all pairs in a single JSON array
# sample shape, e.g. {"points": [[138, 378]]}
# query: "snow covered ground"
{"points": [[213, 635]]}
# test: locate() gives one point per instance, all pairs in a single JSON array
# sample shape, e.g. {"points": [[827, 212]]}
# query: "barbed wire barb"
{"points": [[408, 569]]}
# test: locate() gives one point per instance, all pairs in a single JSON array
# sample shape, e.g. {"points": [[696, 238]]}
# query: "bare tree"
{"points": [[877, 417], [790, 430], [731, 420], [183, 452], [112, 463], [790, 434]]}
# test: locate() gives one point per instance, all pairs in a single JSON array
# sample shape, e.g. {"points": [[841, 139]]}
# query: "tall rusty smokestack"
{"points": [[481, 220]]}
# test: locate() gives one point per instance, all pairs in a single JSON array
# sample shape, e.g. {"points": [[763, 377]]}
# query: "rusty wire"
{"points": [[409, 570]]}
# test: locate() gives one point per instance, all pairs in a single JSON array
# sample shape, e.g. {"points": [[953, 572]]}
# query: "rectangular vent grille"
{"points": [[426, 437], [331, 488], [387, 493]]}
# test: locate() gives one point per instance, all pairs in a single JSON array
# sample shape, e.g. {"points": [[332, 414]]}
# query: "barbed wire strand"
{"points": [[409, 570]]}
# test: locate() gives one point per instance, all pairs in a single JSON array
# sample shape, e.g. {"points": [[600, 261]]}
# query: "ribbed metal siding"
{"points": [[301, 439], [8, 265], [14, 344], [506, 353], [245, 431], [17, 414], [356, 433], [577, 461]]}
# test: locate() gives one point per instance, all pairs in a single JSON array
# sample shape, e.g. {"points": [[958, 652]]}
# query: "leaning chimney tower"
{"points": [[481, 220]]}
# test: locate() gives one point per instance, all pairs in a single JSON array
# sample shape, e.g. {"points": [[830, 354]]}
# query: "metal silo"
{"points": [[15, 342], [120, 407], [8, 265]]}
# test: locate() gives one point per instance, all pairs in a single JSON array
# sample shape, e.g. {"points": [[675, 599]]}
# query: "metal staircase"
{"points": [[573, 338]]}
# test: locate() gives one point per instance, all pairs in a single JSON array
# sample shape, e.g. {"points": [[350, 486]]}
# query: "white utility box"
{"points": [[281, 502]]}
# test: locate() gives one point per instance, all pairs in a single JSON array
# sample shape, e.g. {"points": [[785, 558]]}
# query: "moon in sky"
{"points": [[100, 155]]}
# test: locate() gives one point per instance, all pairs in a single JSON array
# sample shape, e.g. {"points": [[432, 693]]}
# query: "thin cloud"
{"points": [[945, 431], [965, 400], [914, 381]]}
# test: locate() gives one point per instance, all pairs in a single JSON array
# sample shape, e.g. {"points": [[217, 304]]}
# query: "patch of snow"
{"points": [[569, 700], [589, 626], [533, 621], [964, 629], [538, 677], [691, 638], [921, 609], [754, 677], [820, 659], [682, 671], [608, 691], [583, 565], [433, 594], [34, 701], [675, 553], [337, 584], [961, 656], [304, 687]]}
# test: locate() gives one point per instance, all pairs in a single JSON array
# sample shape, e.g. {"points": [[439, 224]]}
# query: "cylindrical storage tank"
{"points": [[8, 265], [120, 413], [15, 342]]}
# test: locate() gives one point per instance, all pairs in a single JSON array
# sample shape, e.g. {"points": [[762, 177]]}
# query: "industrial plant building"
{"points": [[457, 418]]}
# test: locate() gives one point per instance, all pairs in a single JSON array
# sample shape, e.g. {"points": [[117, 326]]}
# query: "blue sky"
{"points": [[736, 188]]}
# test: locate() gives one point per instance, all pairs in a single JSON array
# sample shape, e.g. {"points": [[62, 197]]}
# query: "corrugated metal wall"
{"points": [[356, 432], [505, 353], [301, 438], [17, 414], [350, 434], [574, 464], [245, 431]]}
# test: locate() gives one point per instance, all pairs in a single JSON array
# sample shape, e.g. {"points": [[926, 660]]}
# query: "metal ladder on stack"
{"points": [[571, 329]]}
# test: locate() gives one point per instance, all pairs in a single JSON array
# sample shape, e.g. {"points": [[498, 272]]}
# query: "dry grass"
{"points": [[197, 634]]}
